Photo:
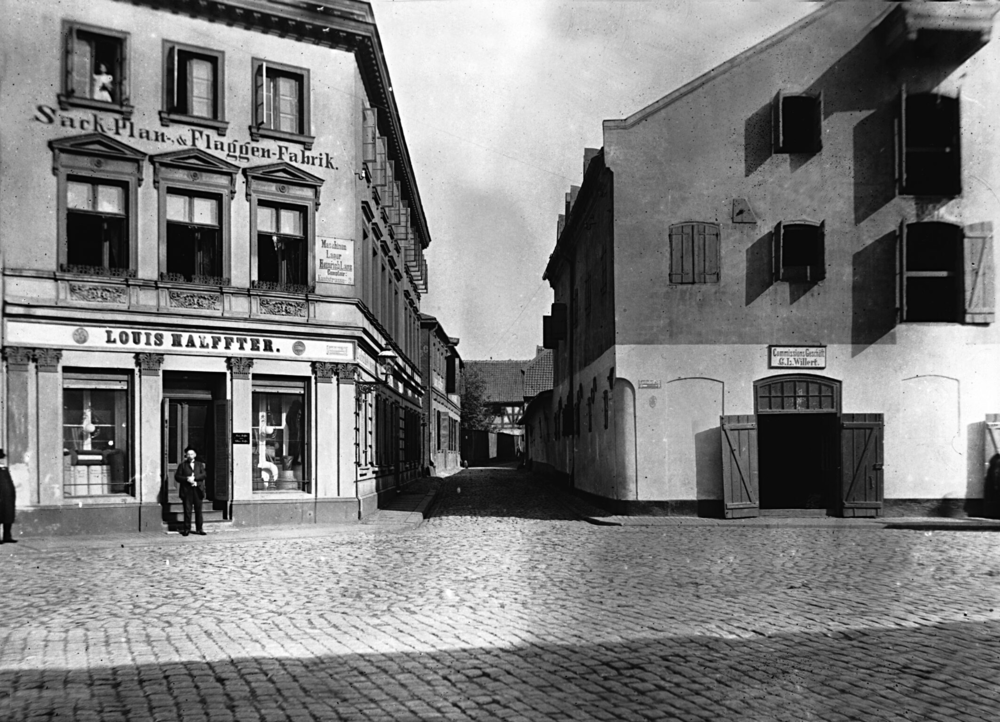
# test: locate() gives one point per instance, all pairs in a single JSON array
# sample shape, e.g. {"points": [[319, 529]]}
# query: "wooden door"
{"points": [[861, 457], [219, 474], [740, 469]]}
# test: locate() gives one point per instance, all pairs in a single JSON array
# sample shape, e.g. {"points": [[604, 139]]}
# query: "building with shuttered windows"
{"points": [[442, 367], [774, 288], [212, 235]]}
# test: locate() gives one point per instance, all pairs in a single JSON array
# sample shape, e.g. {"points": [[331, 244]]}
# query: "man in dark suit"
{"points": [[8, 497], [190, 478]]}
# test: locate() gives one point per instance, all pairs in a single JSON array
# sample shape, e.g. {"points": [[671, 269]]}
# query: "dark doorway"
{"points": [[797, 456], [195, 413]]}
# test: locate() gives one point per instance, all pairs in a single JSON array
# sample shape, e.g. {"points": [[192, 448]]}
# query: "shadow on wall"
{"points": [[873, 293], [798, 289], [757, 139], [708, 463], [874, 162], [483, 678], [759, 267]]}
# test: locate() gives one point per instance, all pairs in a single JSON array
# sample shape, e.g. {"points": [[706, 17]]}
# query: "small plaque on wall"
{"points": [[241, 438], [797, 357], [649, 383]]}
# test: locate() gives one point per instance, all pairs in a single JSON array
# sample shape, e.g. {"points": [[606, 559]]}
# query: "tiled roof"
{"points": [[538, 374], [511, 382], [504, 380]]}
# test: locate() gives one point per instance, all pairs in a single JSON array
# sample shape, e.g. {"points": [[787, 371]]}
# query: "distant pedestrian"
{"points": [[190, 478], [8, 497]]}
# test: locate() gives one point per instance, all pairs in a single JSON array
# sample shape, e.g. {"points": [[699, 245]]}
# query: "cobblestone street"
{"points": [[504, 606]]}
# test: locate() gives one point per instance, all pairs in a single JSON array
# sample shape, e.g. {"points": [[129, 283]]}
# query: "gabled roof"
{"points": [[538, 374], [503, 380]]}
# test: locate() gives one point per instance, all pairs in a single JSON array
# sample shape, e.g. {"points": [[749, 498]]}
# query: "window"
{"points": [[283, 208], [95, 69], [281, 245], [98, 179], [452, 434], [96, 434], [194, 243], [798, 126], [947, 273], [193, 86], [929, 151], [280, 435], [96, 224], [439, 445], [694, 253], [281, 103], [799, 253]]}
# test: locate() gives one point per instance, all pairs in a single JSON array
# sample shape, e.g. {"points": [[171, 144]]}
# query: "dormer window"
{"points": [[798, 123], [929, 153]]}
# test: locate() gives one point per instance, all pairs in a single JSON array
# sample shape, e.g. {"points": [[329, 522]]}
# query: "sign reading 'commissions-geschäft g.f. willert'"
{"points": [[797, 357]]}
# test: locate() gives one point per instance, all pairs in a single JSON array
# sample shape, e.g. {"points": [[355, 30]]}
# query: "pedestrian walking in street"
{"points": [[190, 478], [8, 495]]}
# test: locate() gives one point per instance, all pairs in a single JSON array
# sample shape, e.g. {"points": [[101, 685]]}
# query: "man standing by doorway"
{"points": [[190, 478], [8, 498]]}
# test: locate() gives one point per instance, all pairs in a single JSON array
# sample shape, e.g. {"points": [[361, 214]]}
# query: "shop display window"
{"points": [[279, 437], [96, 435]]}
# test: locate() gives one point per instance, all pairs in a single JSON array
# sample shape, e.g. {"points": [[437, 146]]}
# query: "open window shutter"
{"points": [[861, 464], [818, 271], [220, 481], [171, 80], [390, 184], [120, 92], [380, 161], [980, 301], [712, 253], [676, 255], [80, 65], [740, 482], [779, 130], [956, 147], [901, 273], [260, 94], [818, 129], [776, 261], [368, 129], [901, 142]]}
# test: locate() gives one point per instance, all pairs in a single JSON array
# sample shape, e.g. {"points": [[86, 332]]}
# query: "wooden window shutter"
{"points": [[901, 273], [776, 249], [817, 272], [956, 155], [171, 80], [260, 95], [710, 255], [369, 132], [681, 253], [779, 131], [379, 173], [901, 142], [121, 94], [80, 65], [818, 129], [980, 301]]}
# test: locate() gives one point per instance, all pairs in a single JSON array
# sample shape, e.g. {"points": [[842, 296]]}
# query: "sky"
{"points": [[499, 98]]}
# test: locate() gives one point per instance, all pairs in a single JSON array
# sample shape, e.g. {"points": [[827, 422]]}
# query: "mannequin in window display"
{"points": [[190, 478], [8, 497], [102, 84]]}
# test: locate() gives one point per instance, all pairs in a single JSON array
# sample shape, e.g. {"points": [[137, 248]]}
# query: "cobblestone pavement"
{"points": [[503, 606]]}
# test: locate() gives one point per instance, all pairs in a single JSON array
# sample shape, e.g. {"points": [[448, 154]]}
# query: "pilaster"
{"points": [[21, 419], [325, 406], [150, 474], [347, 430], [49, 426], [241, 393]]}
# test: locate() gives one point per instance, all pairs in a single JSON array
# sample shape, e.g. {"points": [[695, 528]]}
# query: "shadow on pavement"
{"points": [[499, 492], [944, 671]]}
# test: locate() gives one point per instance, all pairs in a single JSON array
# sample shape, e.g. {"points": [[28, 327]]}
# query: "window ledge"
{"points": [[97, 271], [221, 126], [72, 101], [257, 132]]}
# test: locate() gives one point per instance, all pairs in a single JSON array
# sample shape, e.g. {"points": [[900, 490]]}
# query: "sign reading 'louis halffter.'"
{"points": [[798, 357], [159, 340], [334, 261]]}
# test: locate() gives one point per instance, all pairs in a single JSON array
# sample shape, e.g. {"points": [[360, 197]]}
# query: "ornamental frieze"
{"points": [[277, 307], [96, 294], [200, 301]]}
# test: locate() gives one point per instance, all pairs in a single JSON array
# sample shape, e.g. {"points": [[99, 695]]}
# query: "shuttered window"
{"points": [[281, 102], [193, 86], [694, 253], [95, 69], [799, 251], [798, 123], [928, 145]]}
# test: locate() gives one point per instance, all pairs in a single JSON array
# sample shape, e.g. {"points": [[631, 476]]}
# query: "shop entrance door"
{"points": [[189, 423]]}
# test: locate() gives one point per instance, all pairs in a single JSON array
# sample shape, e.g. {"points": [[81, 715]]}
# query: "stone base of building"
{"points": [[88, 519], [277, 512], [954, 508]]}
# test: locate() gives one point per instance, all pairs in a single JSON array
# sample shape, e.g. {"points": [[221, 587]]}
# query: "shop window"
{"points": [[281, 103], [194, 238], [280, 435], [798, 124], [96, 224], [799, 251], [193, 86], [694, 253], [96, 435], [95, 69], [946, 273], [929, 152]]}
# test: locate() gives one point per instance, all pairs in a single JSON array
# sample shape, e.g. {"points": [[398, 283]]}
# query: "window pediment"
{"points": [[281, 175], [97, 146], [194, 161]]}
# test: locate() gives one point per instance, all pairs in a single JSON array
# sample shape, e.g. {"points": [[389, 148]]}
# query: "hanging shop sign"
{"points": [[334, 261], [797, 357], [163, 340]]}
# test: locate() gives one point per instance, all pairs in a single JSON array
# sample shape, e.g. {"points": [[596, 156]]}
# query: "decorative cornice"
{"points": [[278, 307], [239, 367], [18, 357], [48, 359], [186, 299], [149, 363], [97, 294], [324, 371]]}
